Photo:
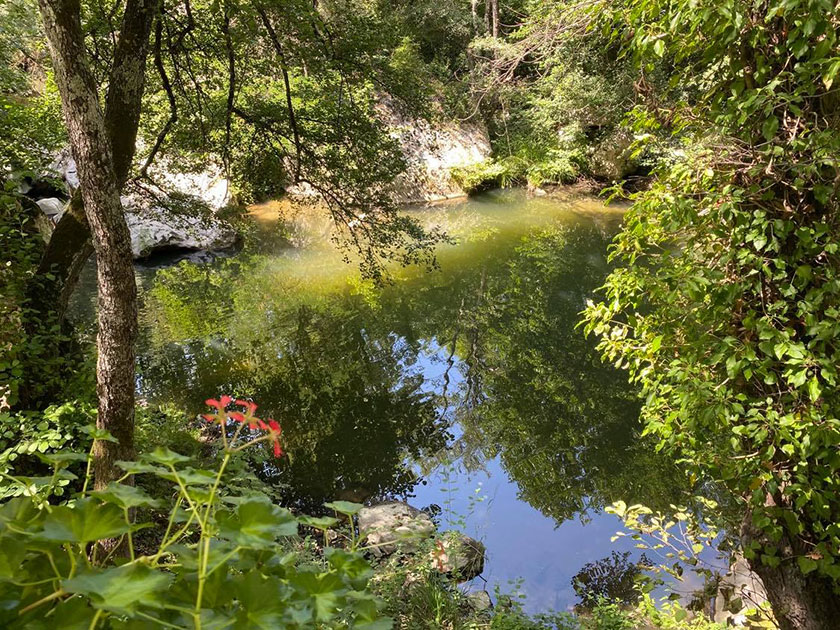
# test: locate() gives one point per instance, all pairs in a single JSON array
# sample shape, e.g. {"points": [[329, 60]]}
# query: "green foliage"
{"points": [[26, 437], [670, 615], [38, 363], [284, 96], [31, 367], [564, 425], [483, 175], [220, 558], [724, 308], [555, 96], [614, 577], [31, 127]]}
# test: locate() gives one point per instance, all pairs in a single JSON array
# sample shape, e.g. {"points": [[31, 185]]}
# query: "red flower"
{"points": [[209, 417], [250, 406], [235, 415], [219, 404], [275, 431]]}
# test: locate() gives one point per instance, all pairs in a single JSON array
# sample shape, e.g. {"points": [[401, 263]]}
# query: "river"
{"points": [[467, 388]]}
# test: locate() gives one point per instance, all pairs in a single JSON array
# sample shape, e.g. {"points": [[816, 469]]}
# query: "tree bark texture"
{"points": [[100, 193], [69, 248], [799, 601]]}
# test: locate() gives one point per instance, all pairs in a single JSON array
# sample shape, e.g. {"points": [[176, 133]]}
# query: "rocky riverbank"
{"points": [[181, 211]]}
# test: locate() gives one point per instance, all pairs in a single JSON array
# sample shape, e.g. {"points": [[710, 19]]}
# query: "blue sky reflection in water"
{"points": [[474, 373]]}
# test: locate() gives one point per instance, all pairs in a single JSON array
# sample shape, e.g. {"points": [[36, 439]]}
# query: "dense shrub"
{"points": [[222, 559]]}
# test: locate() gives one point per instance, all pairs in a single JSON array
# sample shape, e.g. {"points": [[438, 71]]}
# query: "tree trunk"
{"points": [[100, 192], [799, 601], [69, 248], [474, 14], [64, 256], [488, 27], [495, 6]]}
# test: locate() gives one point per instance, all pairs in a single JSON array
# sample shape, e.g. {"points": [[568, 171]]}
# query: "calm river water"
{"points": [[467, 388]]}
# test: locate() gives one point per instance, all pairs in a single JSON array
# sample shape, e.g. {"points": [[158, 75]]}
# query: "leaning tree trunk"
{"points": [[100, 192], [799, 601]]}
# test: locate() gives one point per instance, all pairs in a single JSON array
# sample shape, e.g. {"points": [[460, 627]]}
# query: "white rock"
{"points": [[390, 526], [431, 152], [152, 224], [154, 229], [51, 206], [65, 166], [209, 185]]}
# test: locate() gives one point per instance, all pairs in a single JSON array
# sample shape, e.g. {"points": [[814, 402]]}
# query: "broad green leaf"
{"points": [[12, 553], [62, 458], [806, 564], [21, 514], [72, 614], [344, 507], [139, 468], [326, 591], [121, 590], [770, 127], [256, 524], [351, 564], [126, 496], [99, 434], [263, 602], [319, 522], [166, 456], [88, 520]]}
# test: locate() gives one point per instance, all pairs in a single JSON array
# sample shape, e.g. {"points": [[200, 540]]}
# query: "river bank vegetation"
{"points": [[718, 124]]}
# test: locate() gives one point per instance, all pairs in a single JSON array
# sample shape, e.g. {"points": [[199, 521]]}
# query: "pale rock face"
{"points": [[612, 159], [65, 166], [392, 526], [154, 228], [152, 222], [431, 152], [209, 185], [52, 207]]}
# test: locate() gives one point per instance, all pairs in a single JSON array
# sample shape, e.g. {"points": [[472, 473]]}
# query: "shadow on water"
{"points": [[473, 373]]}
